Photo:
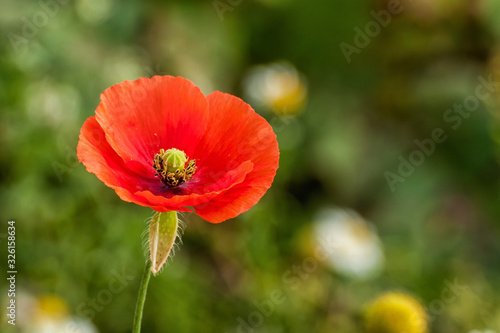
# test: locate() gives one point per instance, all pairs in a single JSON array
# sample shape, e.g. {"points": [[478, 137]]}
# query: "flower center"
{"points": [[173, 167]]}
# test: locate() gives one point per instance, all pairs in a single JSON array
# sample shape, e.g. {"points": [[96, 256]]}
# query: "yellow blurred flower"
{"points": [[277, 86], [51, 306], [395, 313]]}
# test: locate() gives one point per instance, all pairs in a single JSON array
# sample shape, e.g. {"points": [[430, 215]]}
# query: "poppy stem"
{"points": [[143, 290]]}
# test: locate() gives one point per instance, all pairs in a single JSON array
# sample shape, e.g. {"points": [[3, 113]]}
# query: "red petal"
{"points": [[99, 158], [141, 117], [236, 134]]}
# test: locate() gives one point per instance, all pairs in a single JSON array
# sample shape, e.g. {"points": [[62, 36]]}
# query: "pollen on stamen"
{"points": [[173, 167]]}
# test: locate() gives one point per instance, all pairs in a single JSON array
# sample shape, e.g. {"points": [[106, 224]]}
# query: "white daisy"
{"points": [[356, 250]]}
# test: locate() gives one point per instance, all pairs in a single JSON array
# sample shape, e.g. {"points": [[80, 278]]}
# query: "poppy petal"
{"points": [[100, 159], [143, 116], [237, 133]]}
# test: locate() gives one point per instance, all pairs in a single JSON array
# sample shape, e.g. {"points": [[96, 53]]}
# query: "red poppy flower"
{"points": [[226, 154]]}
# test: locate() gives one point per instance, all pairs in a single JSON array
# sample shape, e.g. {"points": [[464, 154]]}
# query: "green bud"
{"points": [[162, 235], [174, 159]]}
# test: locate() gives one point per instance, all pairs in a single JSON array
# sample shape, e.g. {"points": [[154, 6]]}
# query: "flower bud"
{"points": [[162, 235], [174, 159]]}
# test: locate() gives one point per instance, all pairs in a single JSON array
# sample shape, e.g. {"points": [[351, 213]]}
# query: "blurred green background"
{"points": [[344, 119]]}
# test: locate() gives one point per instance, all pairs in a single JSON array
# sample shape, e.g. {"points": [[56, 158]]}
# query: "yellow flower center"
{"points": [[173, 167]]}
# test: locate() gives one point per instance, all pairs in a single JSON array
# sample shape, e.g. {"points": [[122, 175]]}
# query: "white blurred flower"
{"points": [[277, 86], [485, 331], [49, 314], [51, 103], [63, 326], [356, 250]]}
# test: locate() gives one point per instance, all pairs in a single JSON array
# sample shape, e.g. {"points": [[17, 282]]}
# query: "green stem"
{"points": [[142, 298]]}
